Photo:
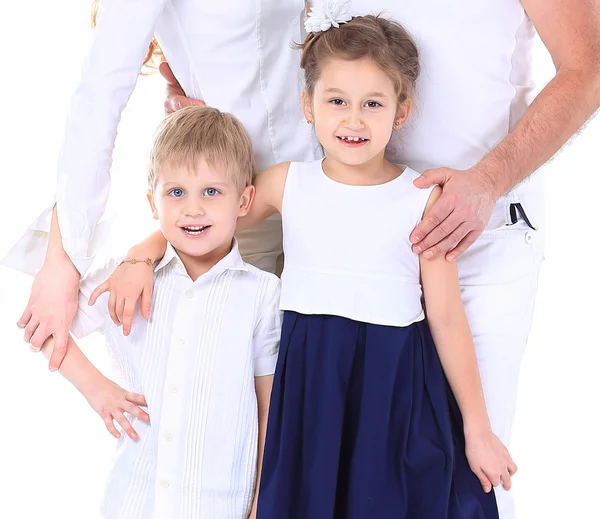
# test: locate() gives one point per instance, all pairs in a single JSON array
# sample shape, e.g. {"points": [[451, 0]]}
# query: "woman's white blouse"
{"points": [[236, 55]]}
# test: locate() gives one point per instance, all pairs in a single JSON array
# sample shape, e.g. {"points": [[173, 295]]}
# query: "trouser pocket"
{"points": [[515, 211]]}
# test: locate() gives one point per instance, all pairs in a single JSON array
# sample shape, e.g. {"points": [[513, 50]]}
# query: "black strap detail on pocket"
{"points": [[514, 218]]}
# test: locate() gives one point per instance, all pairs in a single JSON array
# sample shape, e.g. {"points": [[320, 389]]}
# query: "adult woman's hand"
{"points": [[176, 97], [52, 306]]}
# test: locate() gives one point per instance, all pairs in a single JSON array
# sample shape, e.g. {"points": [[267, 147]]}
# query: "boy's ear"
{"points": [[307, 107], [246, 199], [150, 197]]}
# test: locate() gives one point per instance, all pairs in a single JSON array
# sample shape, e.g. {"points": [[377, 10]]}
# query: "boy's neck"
{"points": [[198, 265]]}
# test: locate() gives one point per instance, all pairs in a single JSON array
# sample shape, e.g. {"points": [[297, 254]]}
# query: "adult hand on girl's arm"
{"points": [[176, 97], [53, 300], [460, 215], [129, 282], [104, 396], [571, 31]]}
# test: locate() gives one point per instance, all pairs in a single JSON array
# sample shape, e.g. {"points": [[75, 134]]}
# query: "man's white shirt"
{"points": [[195, 362]]}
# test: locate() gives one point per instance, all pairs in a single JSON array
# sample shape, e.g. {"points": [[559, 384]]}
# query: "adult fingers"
{"points": [[25, 316], [60, 349], [432, 177], [39, 338], [440, 211], [30, 329], [449, 242], [432, 241], [175, 102], [463, 246]]}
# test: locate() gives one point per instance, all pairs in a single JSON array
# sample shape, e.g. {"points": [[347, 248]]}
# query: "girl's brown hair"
{"points": [[154, 56], [384, 41]]}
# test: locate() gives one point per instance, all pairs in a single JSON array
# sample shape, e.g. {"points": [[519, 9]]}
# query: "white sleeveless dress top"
{"points": [[347, 251]]}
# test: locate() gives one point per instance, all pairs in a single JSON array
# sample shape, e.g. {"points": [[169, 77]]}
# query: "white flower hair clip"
{"points": [[331, 14]]}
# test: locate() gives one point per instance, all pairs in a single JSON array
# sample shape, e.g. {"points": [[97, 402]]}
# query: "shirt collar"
{"points": [[233, 260]]}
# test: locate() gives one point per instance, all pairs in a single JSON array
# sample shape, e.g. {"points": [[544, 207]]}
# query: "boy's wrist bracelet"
{"points": [[133, 261]]}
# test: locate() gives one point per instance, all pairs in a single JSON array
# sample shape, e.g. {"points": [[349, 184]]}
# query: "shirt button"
{"points": [[165, 484], [529, 237], [181, 340], [294, 21], [174, 389], [189, 294], [168, 436]]}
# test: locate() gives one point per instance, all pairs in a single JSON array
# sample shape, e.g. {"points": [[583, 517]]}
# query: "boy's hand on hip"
{"points": [[52, 306], [459, 216], [176, 97], [111, 402]]}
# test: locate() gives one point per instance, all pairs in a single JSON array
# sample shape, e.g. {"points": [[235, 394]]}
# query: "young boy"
{"points": [[204, 361]]}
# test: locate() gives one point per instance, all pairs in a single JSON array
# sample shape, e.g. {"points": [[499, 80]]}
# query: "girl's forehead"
{"points": [[353, 75]]}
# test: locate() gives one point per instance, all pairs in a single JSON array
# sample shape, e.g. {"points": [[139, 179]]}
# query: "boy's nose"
{"points": [[194, 209]]}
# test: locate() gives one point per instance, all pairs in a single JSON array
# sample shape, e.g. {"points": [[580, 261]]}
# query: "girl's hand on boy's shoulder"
{"points": [[127, 284], [111, 402], [489, 459]]}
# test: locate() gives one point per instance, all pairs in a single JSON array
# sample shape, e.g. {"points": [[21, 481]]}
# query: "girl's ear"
{"points": [[307, 107], [402, 113]]}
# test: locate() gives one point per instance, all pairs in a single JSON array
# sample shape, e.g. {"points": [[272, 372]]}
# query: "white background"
{"points": [[54, 451]]}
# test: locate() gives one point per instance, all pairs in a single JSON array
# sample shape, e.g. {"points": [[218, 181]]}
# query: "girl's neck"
{"points": [[376, 171]]}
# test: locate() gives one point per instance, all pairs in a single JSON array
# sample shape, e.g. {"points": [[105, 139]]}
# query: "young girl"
{"points": [[376, 411]]}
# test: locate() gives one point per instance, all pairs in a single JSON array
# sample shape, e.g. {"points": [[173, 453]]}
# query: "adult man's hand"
{"points": [[458, 217], [176, 97]]}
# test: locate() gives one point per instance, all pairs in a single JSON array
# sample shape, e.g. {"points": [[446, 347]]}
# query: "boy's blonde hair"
{"points": [[195, 132]]}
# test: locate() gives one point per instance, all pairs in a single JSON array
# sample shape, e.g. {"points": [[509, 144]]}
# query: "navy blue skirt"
{"points": [[363, 425]]}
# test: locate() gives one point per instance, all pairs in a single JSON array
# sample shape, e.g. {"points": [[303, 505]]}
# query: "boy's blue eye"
{"points": [[177, 192], [373, 104], [337, 102], [211, 191]]}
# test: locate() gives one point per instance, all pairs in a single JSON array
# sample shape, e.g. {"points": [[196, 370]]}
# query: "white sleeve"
{"points": [[110, 71], [267, 334], [95, 318]]}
